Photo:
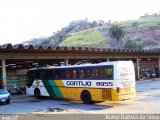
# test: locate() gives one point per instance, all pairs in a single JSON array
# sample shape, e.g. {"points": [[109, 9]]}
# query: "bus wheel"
{"points": [[86, 97], [37, 93]]}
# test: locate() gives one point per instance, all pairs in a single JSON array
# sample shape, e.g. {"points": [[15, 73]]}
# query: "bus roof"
{"points": [[82, 65]]}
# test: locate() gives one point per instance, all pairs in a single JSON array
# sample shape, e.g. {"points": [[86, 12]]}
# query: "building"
{"points": [[17, 59]]}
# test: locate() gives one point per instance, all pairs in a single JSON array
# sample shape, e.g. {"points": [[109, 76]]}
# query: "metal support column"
{"points": [[138, 76], [66, 62], [107, 60], [159, 62], [4, 76], [158, 67]]}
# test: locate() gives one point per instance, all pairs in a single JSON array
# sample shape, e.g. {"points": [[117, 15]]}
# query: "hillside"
{"points": [[91, 37], [153, 20], [143, 33]]}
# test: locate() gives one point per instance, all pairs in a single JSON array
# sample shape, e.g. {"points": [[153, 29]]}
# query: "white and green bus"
{"points": [[90, 82]]}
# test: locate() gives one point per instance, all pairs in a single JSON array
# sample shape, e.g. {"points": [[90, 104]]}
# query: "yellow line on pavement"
{"points": [[22, 100]]}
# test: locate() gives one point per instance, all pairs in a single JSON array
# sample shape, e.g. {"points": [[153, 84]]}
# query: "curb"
{"points": [[20, 97], [20, 100], [149, 80]]}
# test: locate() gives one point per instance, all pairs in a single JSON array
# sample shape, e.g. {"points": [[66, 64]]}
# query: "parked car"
{"points": [[4, 96]]}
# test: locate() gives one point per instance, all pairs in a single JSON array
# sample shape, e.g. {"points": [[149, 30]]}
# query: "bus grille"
{"points": [[106, 94]]}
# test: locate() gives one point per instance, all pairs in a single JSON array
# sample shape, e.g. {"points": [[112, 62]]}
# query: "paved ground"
{"points": [[147, 101]]}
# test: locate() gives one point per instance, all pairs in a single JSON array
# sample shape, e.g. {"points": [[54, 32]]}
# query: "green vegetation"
{"points": [[131, 44], [116, 32], [144, 31], [54, 41], [150, 21], [91, 38]]}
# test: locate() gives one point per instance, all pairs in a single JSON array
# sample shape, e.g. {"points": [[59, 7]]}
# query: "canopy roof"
{"points": [[20, 48]]}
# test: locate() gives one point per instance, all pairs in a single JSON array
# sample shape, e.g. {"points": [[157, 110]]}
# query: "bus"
{"points": [[106, 81]]}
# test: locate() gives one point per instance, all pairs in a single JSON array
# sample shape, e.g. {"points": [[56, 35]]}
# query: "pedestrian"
{"points": [[156, 71]]}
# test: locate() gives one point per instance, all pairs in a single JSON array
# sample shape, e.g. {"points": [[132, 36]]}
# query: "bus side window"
{"points": [[75, 74], [82, 73], [69, 74], [91, 73], [60, 74], [42, 74], [87, 73], [56, 74], [100, 73], [46, 74], [108, 73], [50, 74], [96, 72], [37, 74]]}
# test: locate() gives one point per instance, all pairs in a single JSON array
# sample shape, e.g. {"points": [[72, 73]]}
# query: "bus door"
{"points": [[30, 78]]}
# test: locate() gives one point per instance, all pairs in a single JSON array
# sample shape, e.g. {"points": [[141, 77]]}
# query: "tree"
{"points": [[131, 44], [116, 32]]}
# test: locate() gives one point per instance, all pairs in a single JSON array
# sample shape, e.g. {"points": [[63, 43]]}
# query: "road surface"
{"points": [[146, 101]]}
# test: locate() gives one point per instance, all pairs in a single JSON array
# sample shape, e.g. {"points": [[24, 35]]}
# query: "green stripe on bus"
{"points": [[55, 88], [48, 88]]}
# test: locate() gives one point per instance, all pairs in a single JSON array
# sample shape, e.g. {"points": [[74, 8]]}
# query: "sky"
{"points": [[22, 20]]}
